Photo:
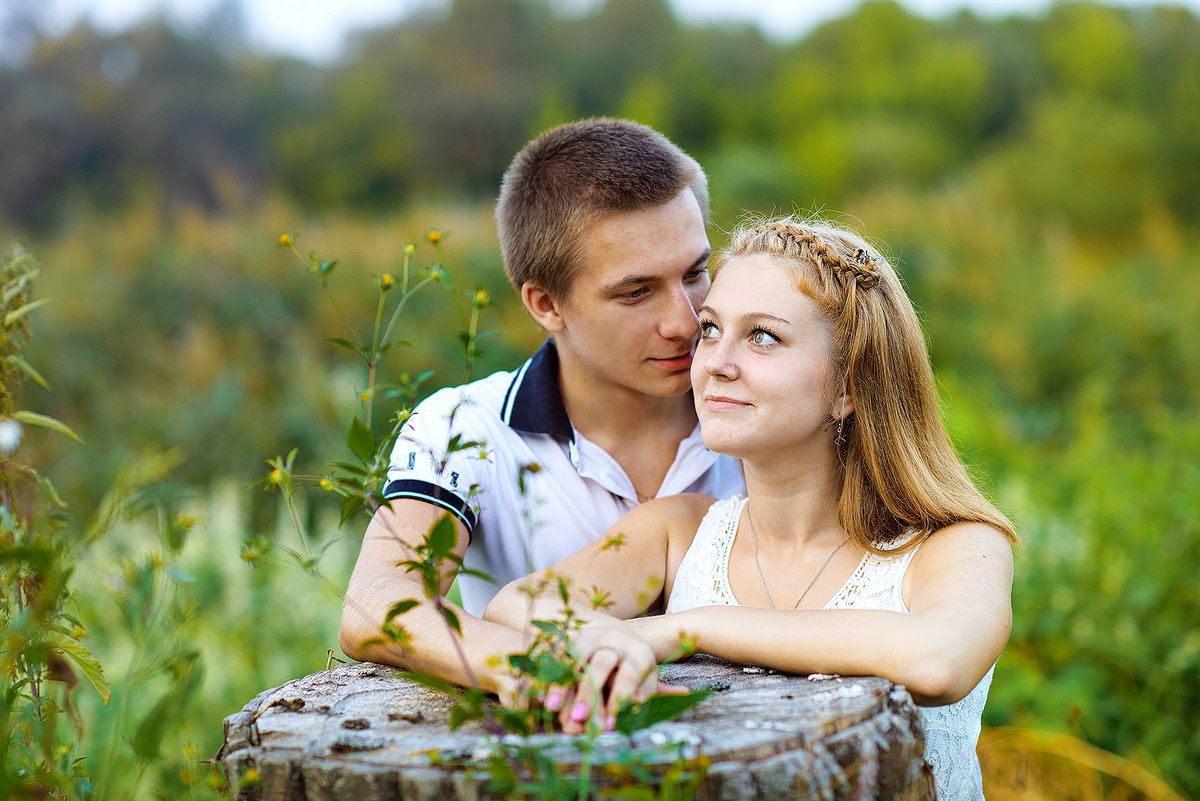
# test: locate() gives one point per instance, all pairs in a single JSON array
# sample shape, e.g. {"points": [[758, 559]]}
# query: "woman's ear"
{"points": [[543, 308], [842, 406]]}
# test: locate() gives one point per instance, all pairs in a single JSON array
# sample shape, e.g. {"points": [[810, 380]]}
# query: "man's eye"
{"points": [[761, 337], [636, 294], [695, 275]]}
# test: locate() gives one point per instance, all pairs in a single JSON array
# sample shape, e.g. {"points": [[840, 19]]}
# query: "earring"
{"points": [[840, 437]]}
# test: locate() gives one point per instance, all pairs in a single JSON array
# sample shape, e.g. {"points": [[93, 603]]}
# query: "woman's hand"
{"points": [[619, 666], [666, 635]]}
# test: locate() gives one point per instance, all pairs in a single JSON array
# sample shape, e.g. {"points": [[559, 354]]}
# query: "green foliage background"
{"points": [[1036, 179]]}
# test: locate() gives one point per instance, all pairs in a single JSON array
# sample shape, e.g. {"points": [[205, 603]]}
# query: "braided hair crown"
{"points": [[800, 241]]}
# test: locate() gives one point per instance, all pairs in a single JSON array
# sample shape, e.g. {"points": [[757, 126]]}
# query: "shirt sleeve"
{"points": [[440, 456]]}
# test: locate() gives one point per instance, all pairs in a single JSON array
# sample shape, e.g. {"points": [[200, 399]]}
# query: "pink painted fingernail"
{"points": [[579, 712], [554, 701], [611, 723]]}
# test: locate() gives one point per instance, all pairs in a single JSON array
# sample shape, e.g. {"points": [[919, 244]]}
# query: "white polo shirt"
{"points": [[531, 490]]}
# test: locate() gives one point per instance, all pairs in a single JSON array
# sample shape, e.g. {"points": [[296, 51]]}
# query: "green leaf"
{"points": [[17, 314], [656, 709], [361, 440], [389, 345], [353, 469], [549, 627], [442, 537], [432, 682], [81, 656], [400, 607], [148, 737], [479, 574], [35, 419], [341, 342], [351, 505], [27, 368], [522, 662], [452, 619]]}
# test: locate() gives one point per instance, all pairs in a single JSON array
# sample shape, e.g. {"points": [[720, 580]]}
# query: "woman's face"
{"points": [[762, 374]]}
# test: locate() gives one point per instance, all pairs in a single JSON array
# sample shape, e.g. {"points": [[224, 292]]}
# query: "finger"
{"points": [[565, 717], [555, 697], [631, 675], [671, 689], [648, 686]]}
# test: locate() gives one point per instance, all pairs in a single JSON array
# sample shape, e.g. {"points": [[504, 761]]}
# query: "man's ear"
{"points": [[544, 309]]}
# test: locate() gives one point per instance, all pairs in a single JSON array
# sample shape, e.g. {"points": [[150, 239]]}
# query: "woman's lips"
{"points": [[719, 403]]}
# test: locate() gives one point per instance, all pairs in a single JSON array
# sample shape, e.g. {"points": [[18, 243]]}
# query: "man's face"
{"points": [[630, 316]]}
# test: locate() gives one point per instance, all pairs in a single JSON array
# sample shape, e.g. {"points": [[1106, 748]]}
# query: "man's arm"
{"points": [[378, 583]]}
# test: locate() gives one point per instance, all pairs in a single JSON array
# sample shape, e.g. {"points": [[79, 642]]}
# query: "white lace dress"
{"points": [[951, 732]]}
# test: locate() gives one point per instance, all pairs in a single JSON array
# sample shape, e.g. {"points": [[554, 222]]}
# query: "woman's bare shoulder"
{"points": [[964, 554]]}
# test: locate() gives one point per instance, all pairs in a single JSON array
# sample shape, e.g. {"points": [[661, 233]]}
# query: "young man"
{"points": [[602, 232]]}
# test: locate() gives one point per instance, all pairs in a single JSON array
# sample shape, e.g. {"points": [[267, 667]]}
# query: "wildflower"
{"points": [[481, 298], [364, 396], [327, 485], [251, 777], [285, 241], [387, 281], [409, 248], [434, 236], [275, 477], [10, 436]]}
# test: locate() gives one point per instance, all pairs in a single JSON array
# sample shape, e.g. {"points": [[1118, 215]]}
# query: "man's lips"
{"points": [[680, 362], [719, 403]]}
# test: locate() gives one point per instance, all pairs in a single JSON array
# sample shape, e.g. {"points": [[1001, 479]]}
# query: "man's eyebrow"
{"points": [[629, 282], [633, 280]]}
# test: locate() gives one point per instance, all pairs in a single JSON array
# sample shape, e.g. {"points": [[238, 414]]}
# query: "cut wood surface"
{"points": [[361, 731]]}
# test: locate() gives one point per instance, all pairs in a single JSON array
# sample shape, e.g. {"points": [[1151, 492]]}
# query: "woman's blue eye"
{"points": [[761, 337]]}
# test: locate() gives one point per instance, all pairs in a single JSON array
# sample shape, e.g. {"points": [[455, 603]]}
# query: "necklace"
{"points": [[754, 549]]}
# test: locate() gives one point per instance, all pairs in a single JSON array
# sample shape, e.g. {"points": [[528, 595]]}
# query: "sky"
{"points": [[315, 29]]}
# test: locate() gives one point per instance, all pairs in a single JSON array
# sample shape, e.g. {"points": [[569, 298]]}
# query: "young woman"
{"points": [[862, 546]]}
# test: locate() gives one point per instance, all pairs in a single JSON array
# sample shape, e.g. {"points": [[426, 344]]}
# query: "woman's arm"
{"points": [[617, 576], [959, 588]]}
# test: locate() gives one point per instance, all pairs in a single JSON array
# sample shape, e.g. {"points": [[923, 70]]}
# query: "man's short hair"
{"points": [[569, 177]]}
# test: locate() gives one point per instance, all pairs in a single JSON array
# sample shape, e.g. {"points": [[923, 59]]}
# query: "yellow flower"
{"points": [[364, 396], [481, 298], [275, 477], [285, 241], [434, 236], [387, 281], [408, 249], [327, 485]]}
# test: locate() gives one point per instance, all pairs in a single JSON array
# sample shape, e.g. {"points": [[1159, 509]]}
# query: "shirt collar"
{"points": [[533, 403]]}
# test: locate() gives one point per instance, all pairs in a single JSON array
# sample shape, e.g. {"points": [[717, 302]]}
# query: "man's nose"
{"points": [[679, 319]]}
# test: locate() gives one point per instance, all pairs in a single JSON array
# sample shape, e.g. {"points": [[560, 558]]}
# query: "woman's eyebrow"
{"points": [[749, 317]]}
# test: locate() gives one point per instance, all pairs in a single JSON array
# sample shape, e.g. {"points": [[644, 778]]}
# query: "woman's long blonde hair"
{"points": [[899, 471]]}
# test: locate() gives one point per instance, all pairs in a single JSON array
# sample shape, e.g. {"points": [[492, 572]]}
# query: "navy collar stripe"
{"points": [[537, 405]]}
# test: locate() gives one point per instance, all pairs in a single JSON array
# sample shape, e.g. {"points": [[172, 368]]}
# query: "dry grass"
{"points": [[1030, 765]]}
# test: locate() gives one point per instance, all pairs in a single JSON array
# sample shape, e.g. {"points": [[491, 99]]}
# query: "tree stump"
{"points": [[360, 731]]}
